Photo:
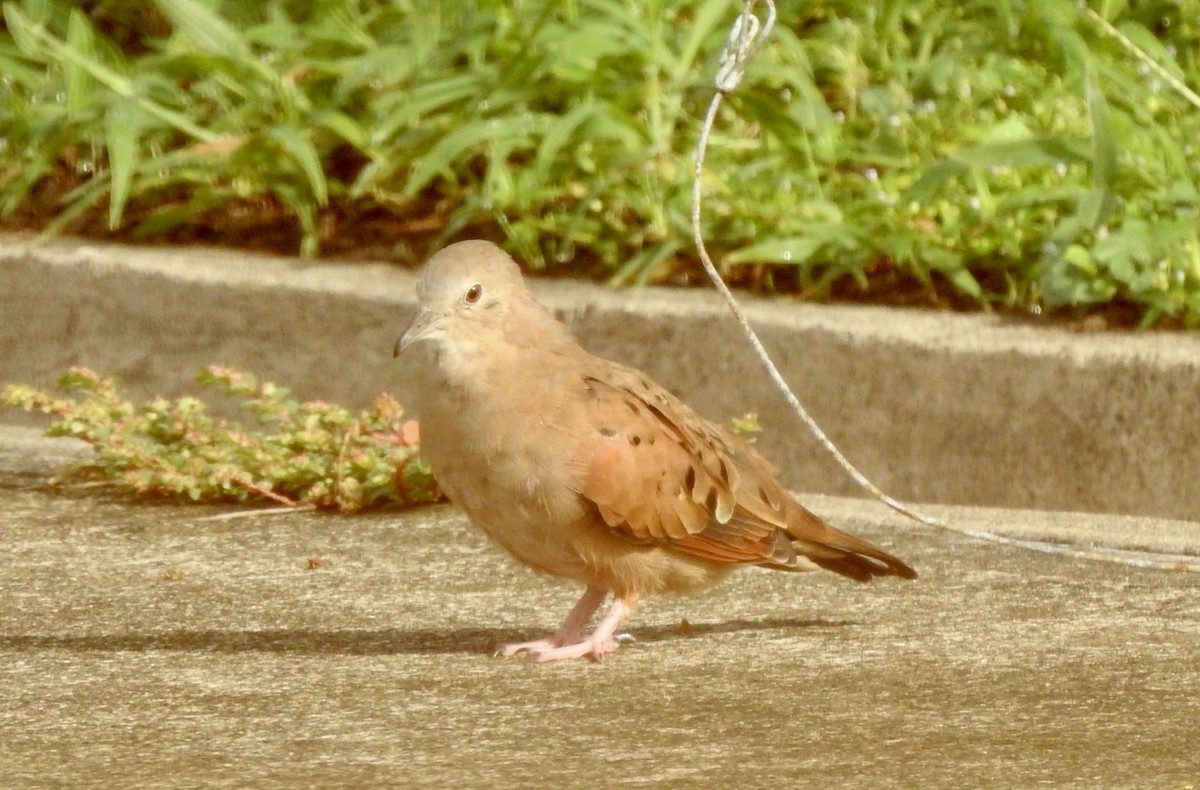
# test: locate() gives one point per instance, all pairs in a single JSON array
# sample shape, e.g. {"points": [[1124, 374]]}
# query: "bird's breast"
{"points": [[500, 459]]}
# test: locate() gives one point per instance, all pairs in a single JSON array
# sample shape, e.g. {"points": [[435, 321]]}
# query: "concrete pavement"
{"points": [[142, 645]]}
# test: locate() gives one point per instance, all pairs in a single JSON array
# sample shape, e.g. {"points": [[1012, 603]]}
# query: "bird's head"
{"points": [[465, 291]]}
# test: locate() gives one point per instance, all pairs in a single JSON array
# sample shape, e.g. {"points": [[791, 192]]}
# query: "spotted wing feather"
{"points": [[657, 471]]}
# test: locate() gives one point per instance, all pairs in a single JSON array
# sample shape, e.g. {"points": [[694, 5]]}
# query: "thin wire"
{"points": [[1136, 559], [745, 38], [1177, 84]]}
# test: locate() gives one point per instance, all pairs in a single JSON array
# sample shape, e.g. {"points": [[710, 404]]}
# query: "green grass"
{"points": [[989, 153]]}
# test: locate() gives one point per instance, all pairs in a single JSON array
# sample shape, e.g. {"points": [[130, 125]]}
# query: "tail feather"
{"points": [[842, 553], [862, 569]]}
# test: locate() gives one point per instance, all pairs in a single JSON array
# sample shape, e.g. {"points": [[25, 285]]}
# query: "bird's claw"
{"points": [[545, 650], [537, 646]]}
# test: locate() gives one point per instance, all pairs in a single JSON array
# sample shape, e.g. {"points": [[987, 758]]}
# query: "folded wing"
{"points": [[657, 471]]}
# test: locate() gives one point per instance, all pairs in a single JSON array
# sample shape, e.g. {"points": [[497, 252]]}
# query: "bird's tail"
{"points": [[840, 552]]}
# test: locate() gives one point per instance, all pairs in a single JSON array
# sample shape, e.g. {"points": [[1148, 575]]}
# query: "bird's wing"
{"points": [[656, 470]]}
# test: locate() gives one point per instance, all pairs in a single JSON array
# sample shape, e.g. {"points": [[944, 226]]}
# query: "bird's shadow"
{"points": [[366, 642]]}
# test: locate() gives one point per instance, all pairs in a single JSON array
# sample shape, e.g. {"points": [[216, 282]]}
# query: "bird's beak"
{"points": [[423, 325]]}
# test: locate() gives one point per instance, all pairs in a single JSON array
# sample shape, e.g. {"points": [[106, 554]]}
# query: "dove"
{"points": [[587, 470]]}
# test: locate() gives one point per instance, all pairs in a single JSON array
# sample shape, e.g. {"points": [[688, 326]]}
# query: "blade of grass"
{"points": [[297, 145], [75, 78], [205, 28], [122, 129], [454, 146], [1104, 138], [117, 83]]}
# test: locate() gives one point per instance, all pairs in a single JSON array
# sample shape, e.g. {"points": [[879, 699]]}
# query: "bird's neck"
{"points": [[520, 350]]}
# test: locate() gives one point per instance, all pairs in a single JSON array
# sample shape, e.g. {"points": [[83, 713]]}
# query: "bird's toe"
{"points": [[536, 646]]}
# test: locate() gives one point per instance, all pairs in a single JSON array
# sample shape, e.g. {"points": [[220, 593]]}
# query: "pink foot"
{"points": [[569, 632], [537, 647], [592, 647], [567, 642]]}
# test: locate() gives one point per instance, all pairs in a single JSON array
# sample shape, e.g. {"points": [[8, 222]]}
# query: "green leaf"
{"points": [[458, 145], [559, 133], [1081, 259], [965, 281], [297, 144], [578, 50], [1111, 9], [794, 250], [706, 19], [20, 28], [75, 77], [1104, 139], [427, 97], [1010, 130], [952, 268], [1151, 45], [932, 179], [1035, 152], [122, 129], [113, 80], [301, 204], [343, 126], [205, 28], [1095, 207], [643, 265]]}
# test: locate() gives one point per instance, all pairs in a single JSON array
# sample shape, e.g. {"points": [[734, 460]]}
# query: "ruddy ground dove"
{"points": [[588, 470]]}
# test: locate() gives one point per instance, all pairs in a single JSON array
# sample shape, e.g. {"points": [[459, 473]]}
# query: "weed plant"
{"points": [[982, 153], [311, 454]]}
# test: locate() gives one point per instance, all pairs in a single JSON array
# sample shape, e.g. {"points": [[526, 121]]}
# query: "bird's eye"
{"points": [[473, 293]]}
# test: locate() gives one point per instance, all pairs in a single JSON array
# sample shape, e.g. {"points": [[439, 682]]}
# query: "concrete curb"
{"points": [[934, 407], [25, 453]]}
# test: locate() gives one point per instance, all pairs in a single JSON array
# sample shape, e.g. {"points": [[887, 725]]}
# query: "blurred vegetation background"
{"points": [[1032, 155]]}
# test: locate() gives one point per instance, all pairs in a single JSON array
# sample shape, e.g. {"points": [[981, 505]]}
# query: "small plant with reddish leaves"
{"points": [[311, 454]]}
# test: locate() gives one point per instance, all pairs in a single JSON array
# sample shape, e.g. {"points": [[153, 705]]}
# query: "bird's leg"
{"points": [[571, 630], [600, 642]]}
